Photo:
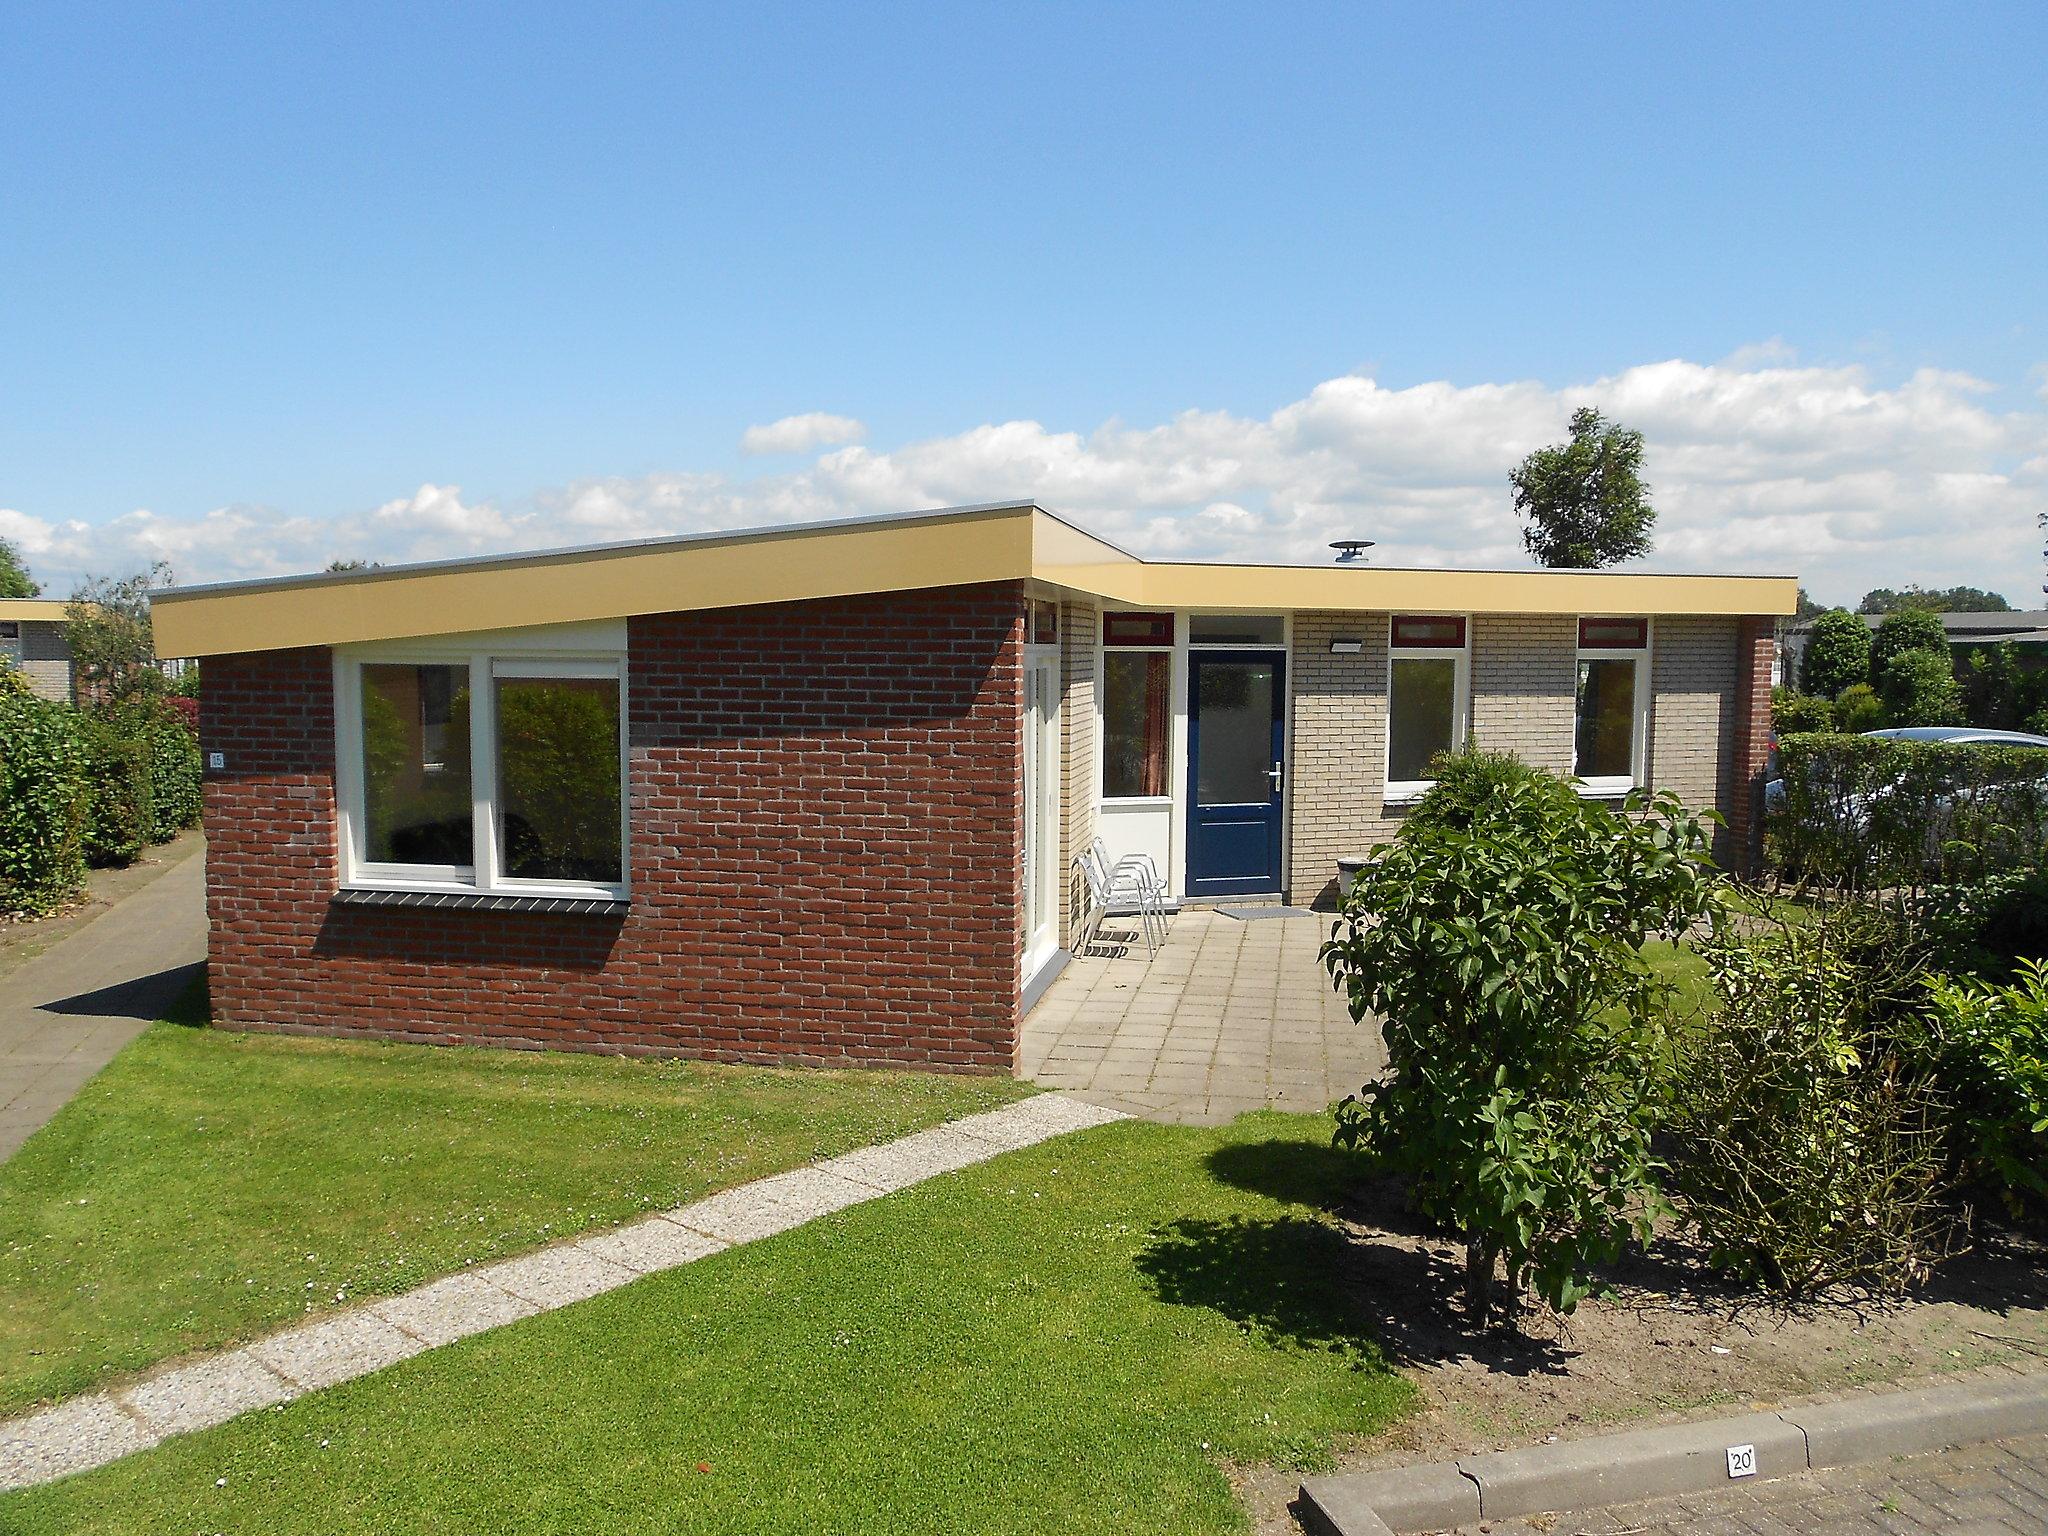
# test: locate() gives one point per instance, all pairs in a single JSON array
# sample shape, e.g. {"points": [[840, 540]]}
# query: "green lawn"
{"points": [[208, 1186], [1073, 1338]]}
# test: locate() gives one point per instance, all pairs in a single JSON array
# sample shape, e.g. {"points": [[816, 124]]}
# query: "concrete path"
{"points": [[1230, 1016], [84, 1432], [1997, 1488], [66, 1012]]}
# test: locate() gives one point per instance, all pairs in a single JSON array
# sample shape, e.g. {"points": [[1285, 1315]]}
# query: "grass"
{"points": [[209, 1186], [1079, 1337]]}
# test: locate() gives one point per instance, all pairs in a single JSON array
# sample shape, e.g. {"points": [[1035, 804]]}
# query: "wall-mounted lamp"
{"points": [[1346, 647]]}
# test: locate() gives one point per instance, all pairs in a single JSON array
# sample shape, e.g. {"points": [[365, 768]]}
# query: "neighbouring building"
{"points": [[813, 794], [32, 639]]}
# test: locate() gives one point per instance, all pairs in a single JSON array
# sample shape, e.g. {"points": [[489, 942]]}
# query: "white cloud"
{"points": [[801, 434], [1755, 464]]}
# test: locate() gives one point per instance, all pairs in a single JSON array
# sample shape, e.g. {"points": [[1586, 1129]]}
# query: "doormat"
{"points": [[1253, 914]]}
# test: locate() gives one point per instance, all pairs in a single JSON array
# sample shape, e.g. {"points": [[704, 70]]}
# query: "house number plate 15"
{"points": [[1742, 1461]]}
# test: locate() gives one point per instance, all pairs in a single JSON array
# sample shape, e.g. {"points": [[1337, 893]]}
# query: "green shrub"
{"points": [[1990, 1046], [1791, 711], [1910, 629], [117, 770], [1837, 654], [1986, 927], [1858, 709], [1865, 814], [44, 801], [1920, 688], [174, 774], [1499, 939], [1805, 1149]]}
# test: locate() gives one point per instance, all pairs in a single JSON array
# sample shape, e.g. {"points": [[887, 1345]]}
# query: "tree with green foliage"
{"points": [[15, 580], [1792, 711], [1809, 607], [1993, 690], [1920, 688], [107, 626], [1858, 709], [1933, 599], [1498, 941], [1907, 629], [1584, 502], [1837, 654]]}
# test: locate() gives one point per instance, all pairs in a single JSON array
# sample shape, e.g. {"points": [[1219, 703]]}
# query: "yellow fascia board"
{"points": [[33, 610], [1392, 590], [776, 565]]}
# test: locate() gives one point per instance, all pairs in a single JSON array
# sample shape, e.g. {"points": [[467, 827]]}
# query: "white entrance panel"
{"points": [[1041, 809]]}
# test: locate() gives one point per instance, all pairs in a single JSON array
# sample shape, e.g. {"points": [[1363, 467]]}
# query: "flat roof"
{"points": [[950, 546], [46, 610]]}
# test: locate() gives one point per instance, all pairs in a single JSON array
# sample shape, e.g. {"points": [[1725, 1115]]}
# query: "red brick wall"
{"points": [[1752, 739], [825, 849]]}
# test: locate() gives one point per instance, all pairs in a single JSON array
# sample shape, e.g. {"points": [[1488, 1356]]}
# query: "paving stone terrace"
{"points": [[1996, 1488], [1231, 1015]]}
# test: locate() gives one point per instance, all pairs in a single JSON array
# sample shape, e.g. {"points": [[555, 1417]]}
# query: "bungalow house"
{"points": [[32, 640], [812, 794]]}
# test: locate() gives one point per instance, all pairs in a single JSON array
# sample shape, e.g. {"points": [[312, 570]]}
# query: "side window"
{"points": [[1427, 703]]}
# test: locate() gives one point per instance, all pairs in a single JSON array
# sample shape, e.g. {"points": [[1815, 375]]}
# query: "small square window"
{"points": [[1417, 631], [1045, 624], [1614, 634], [10, 631], [1137, 629]]}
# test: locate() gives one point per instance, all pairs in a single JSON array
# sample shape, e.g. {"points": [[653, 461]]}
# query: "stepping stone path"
{"points": [[85, 1432]]}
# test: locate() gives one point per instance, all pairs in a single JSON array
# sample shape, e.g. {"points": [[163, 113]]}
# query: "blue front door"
{"points": [[1237, 730]]}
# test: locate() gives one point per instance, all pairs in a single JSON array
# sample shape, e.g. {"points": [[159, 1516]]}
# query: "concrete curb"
{"points": [[1673, 1459]]}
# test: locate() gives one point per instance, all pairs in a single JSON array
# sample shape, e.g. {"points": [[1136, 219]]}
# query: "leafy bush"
{"points": [[1858, 709], [1806, 1149], [44, 800], [174, 774], [1498, 937], [1837, 654], [1986, 927], [1910, 629], [1791, 711], [1864, 814], [1990, 1047], [1920, 688], [120, 820]]}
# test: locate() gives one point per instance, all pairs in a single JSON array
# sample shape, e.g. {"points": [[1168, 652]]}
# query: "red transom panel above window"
{"points": [[1415, 631], [1613, 634], [1137, 629]]}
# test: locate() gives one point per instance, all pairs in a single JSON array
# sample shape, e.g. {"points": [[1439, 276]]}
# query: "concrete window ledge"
{"points": [[479, 901]]}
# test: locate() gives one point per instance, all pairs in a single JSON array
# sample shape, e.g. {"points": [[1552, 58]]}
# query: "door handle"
{"points": [[1273, 773]]}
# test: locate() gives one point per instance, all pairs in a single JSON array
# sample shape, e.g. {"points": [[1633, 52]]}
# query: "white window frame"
{"points": [[486, 662], [1609, 786], [1172, 651], [1400, 791]]}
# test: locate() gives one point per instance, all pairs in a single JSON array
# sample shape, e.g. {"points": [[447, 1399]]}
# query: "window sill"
{"points": [[1605, 789], [1404, 794], [481, 901]]}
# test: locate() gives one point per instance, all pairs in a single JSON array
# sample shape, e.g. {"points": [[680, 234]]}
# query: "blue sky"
{"points": [[272, 275]]}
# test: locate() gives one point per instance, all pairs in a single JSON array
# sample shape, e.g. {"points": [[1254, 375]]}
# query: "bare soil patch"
{"points": [[1670, 1340]]}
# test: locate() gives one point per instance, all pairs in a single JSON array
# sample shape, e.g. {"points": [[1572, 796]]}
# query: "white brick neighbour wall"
{"points": [[1078, 625], [1695, 675], [1525, 674], [1337, 749], [45, 659], [1524, 681]]}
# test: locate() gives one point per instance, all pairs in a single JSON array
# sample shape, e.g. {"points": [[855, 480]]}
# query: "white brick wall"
{"points": [[1524, 676]]}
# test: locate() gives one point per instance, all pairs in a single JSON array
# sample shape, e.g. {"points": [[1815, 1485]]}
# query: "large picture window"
{"points": [[1426, 698], [1137, 720], [493, 774], [1609, 726]]}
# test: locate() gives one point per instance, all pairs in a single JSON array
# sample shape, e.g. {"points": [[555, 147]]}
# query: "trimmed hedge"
{"points": [[44, 802], [1864, 814], [86, 787]]}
